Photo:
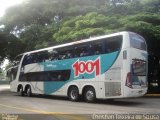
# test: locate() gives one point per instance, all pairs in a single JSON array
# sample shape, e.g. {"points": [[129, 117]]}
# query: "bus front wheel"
{"points": [[73, 94]]}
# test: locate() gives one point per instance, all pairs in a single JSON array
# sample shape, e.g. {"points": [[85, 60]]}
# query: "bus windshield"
{"points": [[136, 41]]}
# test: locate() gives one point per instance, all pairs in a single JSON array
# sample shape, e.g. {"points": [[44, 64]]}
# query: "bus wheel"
{"points": [[73, 94], [20, 91], [29, 91], [89, 94]]}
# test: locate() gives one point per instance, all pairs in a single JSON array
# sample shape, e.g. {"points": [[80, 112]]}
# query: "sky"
{"points": [[4, 4], [6, 61]]}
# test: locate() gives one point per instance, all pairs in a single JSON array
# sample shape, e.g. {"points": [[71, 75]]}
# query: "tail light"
{"points": [[129, 80]]}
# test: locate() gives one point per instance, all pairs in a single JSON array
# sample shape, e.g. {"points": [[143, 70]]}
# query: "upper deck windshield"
{"points": [[136, 41]]}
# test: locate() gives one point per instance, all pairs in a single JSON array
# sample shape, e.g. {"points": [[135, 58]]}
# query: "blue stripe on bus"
{"points": [[106, 61]]}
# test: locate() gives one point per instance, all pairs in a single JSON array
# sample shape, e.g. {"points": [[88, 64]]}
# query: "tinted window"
{"points": [[35, 57], [113, 44], [66, 52], [81, 50], [56, 75], [41, 56], [96, 47], [53, 55], [136, 41]]}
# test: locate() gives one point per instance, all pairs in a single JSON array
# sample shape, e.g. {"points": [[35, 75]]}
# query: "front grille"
{"points": [[112, 89]]}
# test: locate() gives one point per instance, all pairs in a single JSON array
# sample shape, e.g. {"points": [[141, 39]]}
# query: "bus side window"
{"points": [[91, 50], [95, 48], [39, 57], [34, 58], [98, 48], [53, 55], [31, 58], [70, 52], [66, 53], [42, 56], [61, 55], [113, 44], [24, 60], [81, 51], [27, 60]]}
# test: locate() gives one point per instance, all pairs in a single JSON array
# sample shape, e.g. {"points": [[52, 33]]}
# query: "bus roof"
{"points": [[77, 42]]}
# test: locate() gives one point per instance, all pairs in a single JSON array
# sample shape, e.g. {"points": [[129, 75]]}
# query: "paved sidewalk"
{"points": [[152, 95], [4, 87]]}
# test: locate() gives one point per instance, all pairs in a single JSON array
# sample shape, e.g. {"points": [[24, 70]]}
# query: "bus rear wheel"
{"points": [[73, 94], [89, 95], [20, 91], [29, 91]]}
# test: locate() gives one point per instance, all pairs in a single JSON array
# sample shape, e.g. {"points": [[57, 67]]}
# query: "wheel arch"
{"points": [[69, 87], [19, 86], [26, 87]]}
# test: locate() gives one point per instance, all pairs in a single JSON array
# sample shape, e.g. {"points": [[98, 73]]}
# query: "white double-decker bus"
{"points": [[104, 67]]}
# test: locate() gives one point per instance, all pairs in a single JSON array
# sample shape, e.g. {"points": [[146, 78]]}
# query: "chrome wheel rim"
{"points": [[74, 94], [89, 95]]}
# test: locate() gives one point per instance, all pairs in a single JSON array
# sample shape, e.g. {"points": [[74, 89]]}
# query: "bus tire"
{"points": [[89, 94], [20, 91], [73, 94], [29, 91]]}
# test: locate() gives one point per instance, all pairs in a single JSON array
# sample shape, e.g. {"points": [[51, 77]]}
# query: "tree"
{"points": [[10, 46], [3, 46], [86, 26]]}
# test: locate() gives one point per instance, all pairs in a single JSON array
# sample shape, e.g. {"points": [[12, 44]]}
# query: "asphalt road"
{"points": [[41, 106]]}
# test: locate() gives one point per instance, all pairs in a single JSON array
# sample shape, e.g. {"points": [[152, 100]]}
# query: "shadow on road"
{"points": [[49, 97], [121, 102], [115, 102]]}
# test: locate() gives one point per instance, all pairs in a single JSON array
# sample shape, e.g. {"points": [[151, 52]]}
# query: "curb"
{"points": [[152, 95]]}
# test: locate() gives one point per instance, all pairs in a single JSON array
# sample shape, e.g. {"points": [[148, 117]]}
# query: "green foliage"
{"points": [[37, 36], [10, 46], [14, 47], [149, 18], [81, 27]]}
